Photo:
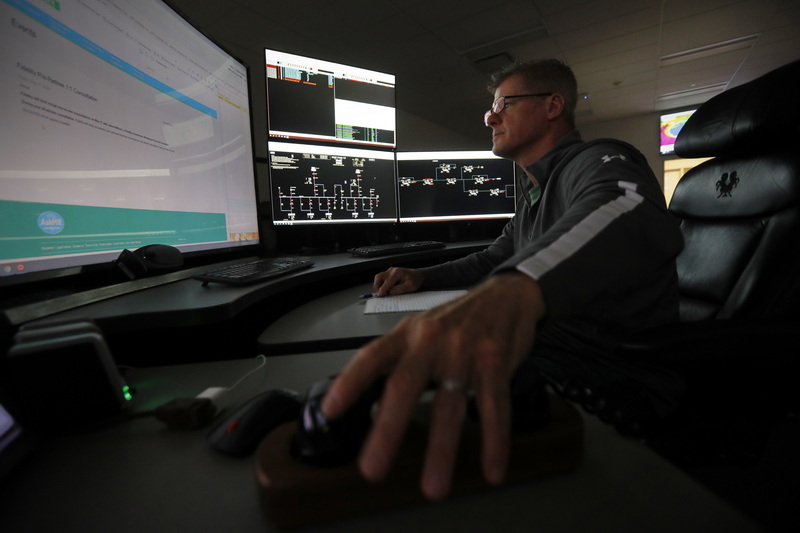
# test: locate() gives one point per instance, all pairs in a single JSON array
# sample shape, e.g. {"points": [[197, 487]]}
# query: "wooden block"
{"points": [[294, 495]]}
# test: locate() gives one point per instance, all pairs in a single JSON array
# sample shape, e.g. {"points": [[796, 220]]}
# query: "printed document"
{"points": [[411, 302]]}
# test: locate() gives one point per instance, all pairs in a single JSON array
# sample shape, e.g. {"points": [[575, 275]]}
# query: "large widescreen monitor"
{"points": [[454, 185], [312, 184], [315, 100], [122, 126]]}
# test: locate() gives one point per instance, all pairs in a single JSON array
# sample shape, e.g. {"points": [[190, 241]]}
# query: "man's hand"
{"points": [[397, 281], [474, 343]]}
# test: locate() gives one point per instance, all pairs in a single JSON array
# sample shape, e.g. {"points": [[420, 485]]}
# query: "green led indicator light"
{"points": [[126, 393]]}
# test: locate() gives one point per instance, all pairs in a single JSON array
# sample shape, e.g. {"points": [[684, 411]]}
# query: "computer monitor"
{"points": [[316, 185], [123, 126], [321, 101], [670, 126], [454, 185]]}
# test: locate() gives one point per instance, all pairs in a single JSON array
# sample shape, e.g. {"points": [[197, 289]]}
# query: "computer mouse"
{"points": [[323, 442], [240, 433], [160, 257]]}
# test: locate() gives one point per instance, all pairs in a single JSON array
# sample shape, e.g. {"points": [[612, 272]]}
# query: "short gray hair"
{"points": [[543, 75]]}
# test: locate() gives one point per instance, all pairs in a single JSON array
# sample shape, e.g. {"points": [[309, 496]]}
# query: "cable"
{"points": [[259, 367], [191, 413]]}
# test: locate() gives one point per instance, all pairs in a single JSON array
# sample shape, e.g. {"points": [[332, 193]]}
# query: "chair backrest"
{"points": [[740, 211]]}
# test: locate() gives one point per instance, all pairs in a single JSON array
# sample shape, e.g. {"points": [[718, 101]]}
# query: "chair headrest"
{"points": [[747, 118]]}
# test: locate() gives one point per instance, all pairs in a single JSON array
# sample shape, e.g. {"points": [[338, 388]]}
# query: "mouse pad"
{"points": [[294, 495]]}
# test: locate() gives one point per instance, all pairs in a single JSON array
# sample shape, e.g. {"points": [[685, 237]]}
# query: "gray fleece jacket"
{"points": [[597, 237]]}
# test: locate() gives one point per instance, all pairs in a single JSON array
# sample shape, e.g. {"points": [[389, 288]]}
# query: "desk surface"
{"points": [[180, 301], [139, 476], [331, 322]]}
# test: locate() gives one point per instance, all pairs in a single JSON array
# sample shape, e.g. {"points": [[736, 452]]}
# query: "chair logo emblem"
{"points": [[727, 183]]}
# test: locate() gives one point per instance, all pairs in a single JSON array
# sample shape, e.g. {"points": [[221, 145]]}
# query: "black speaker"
{"points": [[63, 375]]}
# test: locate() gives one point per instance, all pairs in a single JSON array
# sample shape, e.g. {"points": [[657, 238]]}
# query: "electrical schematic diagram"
{"points": [[473, 180], [314, 198], [309, 188], [455, 189]]}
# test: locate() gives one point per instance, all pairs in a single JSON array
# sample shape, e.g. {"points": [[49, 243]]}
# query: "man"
{"points": [[588, 257]]}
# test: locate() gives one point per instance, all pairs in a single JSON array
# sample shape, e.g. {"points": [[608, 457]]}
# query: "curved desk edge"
{"points": [[176, 300]]}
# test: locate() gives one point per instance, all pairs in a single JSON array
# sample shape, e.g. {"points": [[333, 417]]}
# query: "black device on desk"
{"points": [[253, 271], [240, 433], [65, 375], [323, 442], [392, 248], [307, 472]]}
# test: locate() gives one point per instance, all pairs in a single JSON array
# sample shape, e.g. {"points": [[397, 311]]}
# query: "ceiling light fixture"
{"points": [[695, 91], [739, 43]]}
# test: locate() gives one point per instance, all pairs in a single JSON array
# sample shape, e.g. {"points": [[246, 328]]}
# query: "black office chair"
{"points": [[738, 338]]}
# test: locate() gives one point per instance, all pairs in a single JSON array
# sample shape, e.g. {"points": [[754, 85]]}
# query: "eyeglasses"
{"points": [[500, 104]]}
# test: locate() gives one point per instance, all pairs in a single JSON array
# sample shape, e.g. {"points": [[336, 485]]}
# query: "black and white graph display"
{"points": [[319, 184], [454, 186]]}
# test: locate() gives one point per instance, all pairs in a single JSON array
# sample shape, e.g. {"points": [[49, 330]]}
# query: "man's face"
{"points": [[517, 129]]}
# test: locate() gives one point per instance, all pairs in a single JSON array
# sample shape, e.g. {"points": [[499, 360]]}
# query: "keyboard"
{"points": [[376, 250], [253, 271]]}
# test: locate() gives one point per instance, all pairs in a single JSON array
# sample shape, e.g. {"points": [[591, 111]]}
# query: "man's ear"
{"points": [[555, 106]]}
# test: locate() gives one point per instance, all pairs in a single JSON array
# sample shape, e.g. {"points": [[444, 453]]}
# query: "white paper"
{"points": [[411, 302]]}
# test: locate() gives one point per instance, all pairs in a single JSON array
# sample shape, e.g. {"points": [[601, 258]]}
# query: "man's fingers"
{"points": [[449, 412], [397, 280], [475, 342], [453, 375], [386, 281], [493, 396], [368, 364], [403, 388]]}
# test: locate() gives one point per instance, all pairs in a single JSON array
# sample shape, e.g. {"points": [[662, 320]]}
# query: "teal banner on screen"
{"points": [[30, 229]]}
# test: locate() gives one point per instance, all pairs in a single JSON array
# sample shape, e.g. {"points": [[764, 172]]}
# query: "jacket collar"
{"points": [[543, 167]]}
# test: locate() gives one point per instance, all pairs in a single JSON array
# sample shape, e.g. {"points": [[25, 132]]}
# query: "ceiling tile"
{"points": [[613, 45]]}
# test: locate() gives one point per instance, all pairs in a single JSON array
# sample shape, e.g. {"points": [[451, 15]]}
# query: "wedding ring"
{"points": [[451, 385]]}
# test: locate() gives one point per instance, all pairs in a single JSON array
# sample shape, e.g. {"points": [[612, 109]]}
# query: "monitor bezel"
{"points": [[335, 66], [330, 150], [665, 119], [451, 154], [99, 270]]}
